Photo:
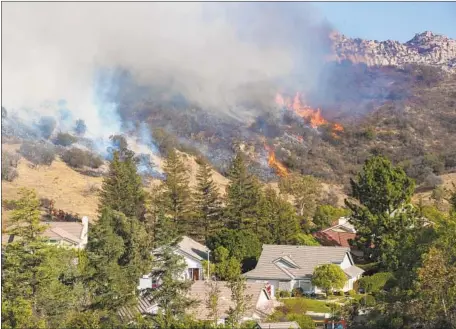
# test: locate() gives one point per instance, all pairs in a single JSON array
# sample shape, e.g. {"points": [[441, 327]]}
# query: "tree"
{"points": [[171, 295], [383, 218], [213, 301], [329, 277], [64, 139], [242, 196], [381, 187], [80, 127], [122, 188], [305, 191], [325, 215], [46, 125], [207, 204], [306, 240], [240, 300], [243, 245], [279, 223], [436, 287], [175, 196], [226, 267], [106, 278]]}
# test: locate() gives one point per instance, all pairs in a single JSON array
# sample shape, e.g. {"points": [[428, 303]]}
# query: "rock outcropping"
{"points": [[425, 48]]}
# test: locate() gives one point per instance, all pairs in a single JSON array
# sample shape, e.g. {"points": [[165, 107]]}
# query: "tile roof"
{"points": [[353, 271], [279, 325], [331, 237], [70, 231], [200, 291], [193, 248], [306, 257]]}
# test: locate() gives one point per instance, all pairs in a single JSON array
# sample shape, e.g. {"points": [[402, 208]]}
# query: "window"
{"points": [[305, 285]]}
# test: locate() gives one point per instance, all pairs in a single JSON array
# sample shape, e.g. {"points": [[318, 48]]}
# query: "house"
{"points": [[278, 325], [287, 267], [339, 234], [194, 253], [261, 304], [65, 234]]}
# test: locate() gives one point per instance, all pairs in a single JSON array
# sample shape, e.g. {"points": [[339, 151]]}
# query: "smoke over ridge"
{"points": [[216, 55]]}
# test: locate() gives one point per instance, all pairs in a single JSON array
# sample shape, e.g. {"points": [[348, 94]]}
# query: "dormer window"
{"points": [[285, 262]]}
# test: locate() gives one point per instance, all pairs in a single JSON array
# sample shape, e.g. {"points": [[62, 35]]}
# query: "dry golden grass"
{"points": [[448, 181], [58, 182]]}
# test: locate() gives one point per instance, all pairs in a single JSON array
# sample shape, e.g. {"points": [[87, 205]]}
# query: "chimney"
{"points": [[85, 230]]}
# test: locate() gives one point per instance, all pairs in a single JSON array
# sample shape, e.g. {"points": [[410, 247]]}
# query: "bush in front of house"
{"points": [[297, 292], [284, 294]]}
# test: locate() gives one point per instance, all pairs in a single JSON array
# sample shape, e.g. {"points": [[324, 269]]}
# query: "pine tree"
{"points": [[175, 194], [279, 221], [171, 295], [243, 196], [106, 278], [207, 204], [21, 262], [122, 189]]}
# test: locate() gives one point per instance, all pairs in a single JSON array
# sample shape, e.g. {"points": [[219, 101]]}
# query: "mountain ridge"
{"points": [[424, 48]]}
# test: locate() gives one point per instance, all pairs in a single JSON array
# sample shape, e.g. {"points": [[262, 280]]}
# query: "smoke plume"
{"points": [[215, 55]]}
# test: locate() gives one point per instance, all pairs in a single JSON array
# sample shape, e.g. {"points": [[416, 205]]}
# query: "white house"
{"points": [[65, 234], [288, 267], [194, 253]]}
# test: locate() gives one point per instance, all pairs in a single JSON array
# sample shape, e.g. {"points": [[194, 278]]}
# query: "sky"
{"points": [[390, 20]]}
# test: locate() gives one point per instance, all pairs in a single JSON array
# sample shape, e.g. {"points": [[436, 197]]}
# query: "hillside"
{"points": [[386, 98]]}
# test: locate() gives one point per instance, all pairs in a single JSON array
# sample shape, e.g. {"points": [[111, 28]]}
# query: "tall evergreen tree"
{"points": [[110, 283], [175, 194], [207, 204], [305, 191], [122, 189], [383, 218], [243, 196], [171, 295], [278, 219]]}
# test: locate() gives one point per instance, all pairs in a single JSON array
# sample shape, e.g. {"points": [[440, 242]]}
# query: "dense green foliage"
{"points": [[329, 277], [48, 287]]}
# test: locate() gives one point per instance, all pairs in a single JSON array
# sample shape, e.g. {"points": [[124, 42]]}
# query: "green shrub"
{"points": [[284, 294], [38, 153], [368, 301], [9, 165], [376, 282], [351, 293], [65, 139], [297, 292], [77, 158]]}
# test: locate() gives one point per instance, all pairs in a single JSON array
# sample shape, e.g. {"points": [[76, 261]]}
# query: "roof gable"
{"points": [[306, 259]]}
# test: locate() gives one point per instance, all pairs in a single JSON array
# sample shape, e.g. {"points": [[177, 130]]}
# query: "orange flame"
{"points": [[279, 168], [314, 117]]}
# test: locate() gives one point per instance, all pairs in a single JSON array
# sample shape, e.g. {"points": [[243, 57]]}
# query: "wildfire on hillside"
{"points": [[279, 167], [314, 117]]}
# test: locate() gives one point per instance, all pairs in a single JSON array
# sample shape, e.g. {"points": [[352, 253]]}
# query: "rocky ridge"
{"points": [[425, 48]]}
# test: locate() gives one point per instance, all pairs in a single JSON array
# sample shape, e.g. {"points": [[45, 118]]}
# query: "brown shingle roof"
{"points": [[306, 257], [200, 291], [279, 325]]}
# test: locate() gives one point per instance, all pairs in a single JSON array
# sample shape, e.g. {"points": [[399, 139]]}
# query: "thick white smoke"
{"points": [[210, 53]]}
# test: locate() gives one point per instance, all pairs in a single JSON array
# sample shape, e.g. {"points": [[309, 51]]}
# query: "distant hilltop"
{"points": [[425, 48]]}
